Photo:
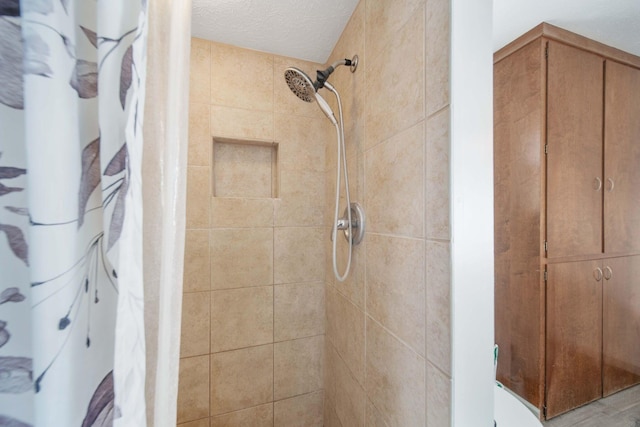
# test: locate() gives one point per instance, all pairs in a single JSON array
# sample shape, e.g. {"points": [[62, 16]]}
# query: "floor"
{"points": [[619, 410]]}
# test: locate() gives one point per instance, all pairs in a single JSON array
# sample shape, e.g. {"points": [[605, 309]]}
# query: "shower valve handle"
{"points": [[343, 223]]}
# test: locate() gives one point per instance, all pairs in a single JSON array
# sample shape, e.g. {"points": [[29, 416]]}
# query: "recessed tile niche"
{"points": [[245, 168]]}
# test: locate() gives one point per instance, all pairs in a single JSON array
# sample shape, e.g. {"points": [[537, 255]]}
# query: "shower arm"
{"points": [[323, 75]]}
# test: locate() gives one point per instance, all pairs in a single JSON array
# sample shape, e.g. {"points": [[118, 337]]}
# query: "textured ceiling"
{"points": [[612, 22], [303, 29], [309, 29]]}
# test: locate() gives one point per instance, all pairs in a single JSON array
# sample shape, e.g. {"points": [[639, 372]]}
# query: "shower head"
{"points": [[305, 88], [300, 84]]}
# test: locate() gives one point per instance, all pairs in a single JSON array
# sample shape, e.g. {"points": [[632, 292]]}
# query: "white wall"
{"points": [[472, 211]]}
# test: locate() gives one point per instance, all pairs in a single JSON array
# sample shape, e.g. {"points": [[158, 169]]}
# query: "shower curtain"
{"points": [[72, 91]]}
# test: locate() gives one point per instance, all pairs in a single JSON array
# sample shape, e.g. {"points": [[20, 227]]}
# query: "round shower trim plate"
{"points": [[358, 221], [354, 63]]}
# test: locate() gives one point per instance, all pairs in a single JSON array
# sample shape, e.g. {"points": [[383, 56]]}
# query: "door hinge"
{"points": [[545, 246], [546, 275], [546, 51], [544, 411], [546, 149]]}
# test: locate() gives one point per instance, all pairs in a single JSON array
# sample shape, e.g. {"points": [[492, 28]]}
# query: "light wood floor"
{"points": [[619, 410]]}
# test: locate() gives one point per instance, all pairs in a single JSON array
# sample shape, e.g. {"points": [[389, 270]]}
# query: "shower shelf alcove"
{"points": [[244, 168]]}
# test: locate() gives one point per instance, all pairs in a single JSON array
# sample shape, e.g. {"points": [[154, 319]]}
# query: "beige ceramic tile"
{"points": [[199, 135], [385, 19], [345, 329], [197, 271], [198, 196], [437, 177], [438, 398], [374, 418], [439, 305], [258, 416], [241, 78], [203, 422], [241, 379], [193, 388], [194, 338], [302, 142], [301, 201], [298, 310], [299, 213], [199, 74], [241, 124], [242, 170], [394, 184], [299, 411], [298, 366], [395, 378], [285, 101], [353, 286], [241, 257], [241, 318], [396, 287], [345, 394], [395, 93], [328, 262], [330, 416], [241, 212], [438, 47], [298, 255]]}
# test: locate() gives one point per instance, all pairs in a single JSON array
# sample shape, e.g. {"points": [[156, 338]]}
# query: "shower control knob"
{"points": [[357, 223]]}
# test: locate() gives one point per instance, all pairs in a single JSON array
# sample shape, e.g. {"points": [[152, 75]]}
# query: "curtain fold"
{"points": [[72, 92], [164, 173]]}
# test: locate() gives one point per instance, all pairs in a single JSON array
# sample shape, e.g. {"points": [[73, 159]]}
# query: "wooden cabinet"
{"points": [[574, 141], [574, 335], [567, 211], [593, 326], [621, 324], [622, 160]]}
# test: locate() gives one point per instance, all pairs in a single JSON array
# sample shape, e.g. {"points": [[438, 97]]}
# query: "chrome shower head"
{"points": [[300, 84]]}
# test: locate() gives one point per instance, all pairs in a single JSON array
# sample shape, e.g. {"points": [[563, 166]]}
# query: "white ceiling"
{"points": [[303, 29], [612, 22], [309, 29]]}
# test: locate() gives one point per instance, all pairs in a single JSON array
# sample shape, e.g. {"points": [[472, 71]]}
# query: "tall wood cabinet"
{"points": [[567, 218]]}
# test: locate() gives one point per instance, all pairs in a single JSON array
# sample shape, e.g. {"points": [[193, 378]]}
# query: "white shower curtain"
{"points": [[72, 91]]}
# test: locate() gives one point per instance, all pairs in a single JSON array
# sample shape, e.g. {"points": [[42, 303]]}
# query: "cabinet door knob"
{"points": [[608, 273], [597, 274], [597, 183], [610, 184]]}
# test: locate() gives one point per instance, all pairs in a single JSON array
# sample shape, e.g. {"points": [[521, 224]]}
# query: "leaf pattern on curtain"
{"points": [[126, 72], [16, 374], [12, 422], [101, 408], [90, 177], [17, 242], [9, 8], [85, 79], [72, 99], [11, 89]]}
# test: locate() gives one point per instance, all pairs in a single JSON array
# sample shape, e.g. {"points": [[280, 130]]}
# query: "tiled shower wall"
{"points": [[253, 304], [388, 330]]}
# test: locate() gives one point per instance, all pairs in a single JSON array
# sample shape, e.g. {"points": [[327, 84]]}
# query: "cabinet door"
{"points": [[621, 324], [622, 159], [574, 335], [574, 159]]}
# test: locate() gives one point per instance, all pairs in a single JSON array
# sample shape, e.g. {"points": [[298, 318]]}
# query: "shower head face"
{"points": [[300, 84]]}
